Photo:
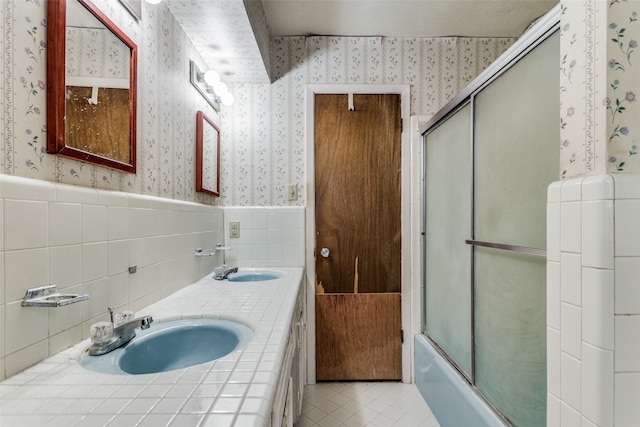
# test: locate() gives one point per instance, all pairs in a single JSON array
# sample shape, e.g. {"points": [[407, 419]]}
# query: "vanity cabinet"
{"points": [[288, 400]]}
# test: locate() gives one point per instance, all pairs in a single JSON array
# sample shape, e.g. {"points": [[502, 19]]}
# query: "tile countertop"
{"points": [[236, 390]]}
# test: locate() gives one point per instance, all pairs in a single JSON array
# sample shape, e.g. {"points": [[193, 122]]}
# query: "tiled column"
{"points": [[627, 300], [593, 301]]}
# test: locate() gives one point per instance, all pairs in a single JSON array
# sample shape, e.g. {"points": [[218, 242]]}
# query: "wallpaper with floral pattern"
{"points": [[167, 104], [96, 52], [264, 147], [262, 134], [600, 117]]}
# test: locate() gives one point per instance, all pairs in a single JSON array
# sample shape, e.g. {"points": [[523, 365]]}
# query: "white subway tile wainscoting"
{"points": [[84, 241], [269, 236], [593, 315]]}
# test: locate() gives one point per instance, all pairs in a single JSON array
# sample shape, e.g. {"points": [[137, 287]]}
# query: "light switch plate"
{"points": [[292, 192], [234, 229]]}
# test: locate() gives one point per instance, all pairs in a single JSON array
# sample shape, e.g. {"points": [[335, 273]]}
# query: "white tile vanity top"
{"points": [[236, 390]]}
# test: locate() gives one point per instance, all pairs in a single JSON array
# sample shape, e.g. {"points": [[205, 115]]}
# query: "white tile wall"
{"points": [[627, 291], [571, 331], [1, 285], [571, 278], [627, 344], [26, 224], [553, 362], [117, 222], [596, 188], [269, 236], [64, 269], [83, 240], [553, 411], [596, 355], [627, 232], [570, 227], [94, 223], [25, 269], [597, 364], [553, 295], [569, 417], [64, 219], [597, 234], [1, 224], [14, 187], [570, 381], [93, 261], [553, 231], [597, 307], [627, 390]]}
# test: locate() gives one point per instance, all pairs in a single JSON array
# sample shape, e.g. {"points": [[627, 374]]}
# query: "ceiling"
{"points": [[233, 36], [404, 18]]}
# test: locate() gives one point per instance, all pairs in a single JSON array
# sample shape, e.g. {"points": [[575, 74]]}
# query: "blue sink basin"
{"points": [[172, 345], [254, 276]]}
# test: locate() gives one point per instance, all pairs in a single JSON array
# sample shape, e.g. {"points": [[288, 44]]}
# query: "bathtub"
{"points": [[453, 402]]}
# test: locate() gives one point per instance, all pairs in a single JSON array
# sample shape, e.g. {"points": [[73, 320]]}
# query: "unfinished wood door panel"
{"points": [[359, 337], [357, 179], [357, 214]]}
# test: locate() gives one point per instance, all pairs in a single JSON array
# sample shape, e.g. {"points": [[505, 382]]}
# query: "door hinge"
{"points": [[402, 336]]}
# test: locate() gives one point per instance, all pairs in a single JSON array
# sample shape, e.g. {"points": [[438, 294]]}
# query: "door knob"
{"points": [[325, 252]]}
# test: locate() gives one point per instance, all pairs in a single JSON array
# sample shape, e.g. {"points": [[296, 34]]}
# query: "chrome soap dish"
{"points": [[214, 251], [48, 296]]}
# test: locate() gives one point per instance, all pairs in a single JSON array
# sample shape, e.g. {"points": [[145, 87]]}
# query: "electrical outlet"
{"points": [[234, 229], [293, 192]]}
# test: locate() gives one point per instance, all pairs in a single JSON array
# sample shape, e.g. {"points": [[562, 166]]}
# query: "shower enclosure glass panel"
{"points": [[448, 260], [511, 334], [516, 139]]}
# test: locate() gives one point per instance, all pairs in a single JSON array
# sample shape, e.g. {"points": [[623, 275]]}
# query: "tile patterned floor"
{"points": [[359, 404]]}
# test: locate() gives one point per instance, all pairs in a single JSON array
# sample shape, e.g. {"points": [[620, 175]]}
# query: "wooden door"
{"points": [[358, 258]]}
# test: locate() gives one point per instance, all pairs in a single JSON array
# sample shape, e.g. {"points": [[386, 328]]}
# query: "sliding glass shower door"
{"points": [[516, 141], [448, 201], [486, 169]]}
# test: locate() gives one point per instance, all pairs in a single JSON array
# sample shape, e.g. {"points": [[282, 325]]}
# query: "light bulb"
{"points": [[227, 98], [220, 88], [211, 77], [153, 1]]}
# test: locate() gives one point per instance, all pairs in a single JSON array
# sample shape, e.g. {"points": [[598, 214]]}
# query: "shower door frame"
{"points": [[543, 29]]}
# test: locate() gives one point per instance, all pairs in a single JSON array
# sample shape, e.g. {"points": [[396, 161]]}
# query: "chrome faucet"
{"points": [[122, 334], [223, 274]]}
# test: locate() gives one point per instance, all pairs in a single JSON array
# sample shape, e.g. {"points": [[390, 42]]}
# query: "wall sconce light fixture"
{"points": [[210, 86]]}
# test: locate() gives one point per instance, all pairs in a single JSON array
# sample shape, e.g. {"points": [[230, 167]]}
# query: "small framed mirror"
{"points": [[207, 155], [91, 73]]}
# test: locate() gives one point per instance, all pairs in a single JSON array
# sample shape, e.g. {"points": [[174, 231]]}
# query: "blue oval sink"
{"points": [[254, 276], [172, 345]]}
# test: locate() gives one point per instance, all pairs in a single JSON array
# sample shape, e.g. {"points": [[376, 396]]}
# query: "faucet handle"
{"points": [[124, 317], [110, 310], [101, 332]]}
